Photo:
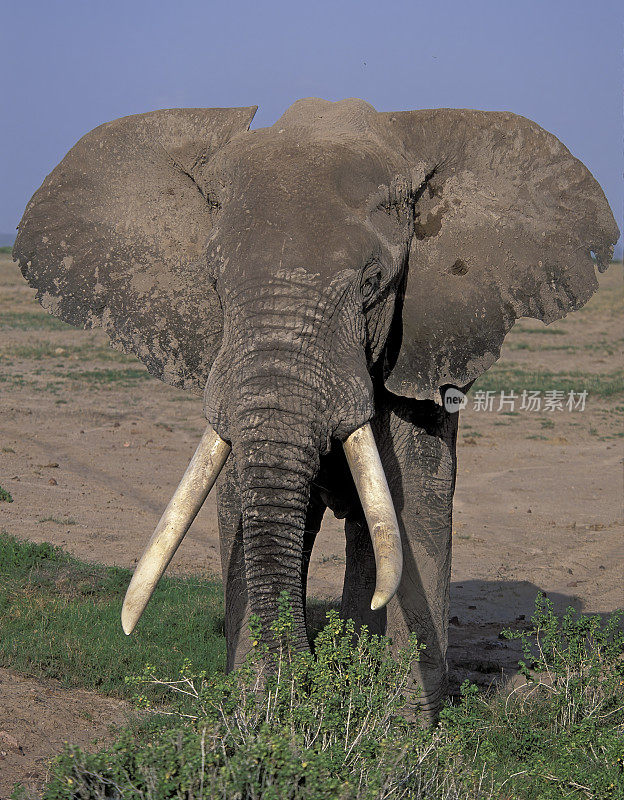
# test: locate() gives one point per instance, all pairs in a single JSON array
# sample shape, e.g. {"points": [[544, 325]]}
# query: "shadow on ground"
{"points": [[480, 610]]}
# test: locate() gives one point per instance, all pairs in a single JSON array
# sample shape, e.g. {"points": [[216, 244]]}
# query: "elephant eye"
{"points": [[370, 282]]}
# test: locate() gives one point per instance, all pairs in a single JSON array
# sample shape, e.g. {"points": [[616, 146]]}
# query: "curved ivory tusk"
{"points": [[372, 487], [197, 481]]}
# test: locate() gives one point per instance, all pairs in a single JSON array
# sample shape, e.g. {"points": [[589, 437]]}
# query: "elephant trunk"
{"points": [[276, 466]]}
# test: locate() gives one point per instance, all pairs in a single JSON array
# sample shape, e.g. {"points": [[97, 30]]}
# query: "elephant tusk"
{"points": [[372, 487], [201, 473]]}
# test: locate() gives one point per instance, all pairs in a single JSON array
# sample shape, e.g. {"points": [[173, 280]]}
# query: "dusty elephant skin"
{"points": [[343, 267]]}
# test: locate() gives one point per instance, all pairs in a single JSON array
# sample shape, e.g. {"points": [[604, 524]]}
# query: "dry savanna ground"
{"points": [[91, 448]]}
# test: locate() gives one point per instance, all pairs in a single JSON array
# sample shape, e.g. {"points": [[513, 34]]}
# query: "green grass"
{"points": [[5, 497], [13, 380], [519, 328], [87, 352], [93, 379], [60, 618], [510, 377], [31, 321], [606, 348], [123, 377], [8, 249]]}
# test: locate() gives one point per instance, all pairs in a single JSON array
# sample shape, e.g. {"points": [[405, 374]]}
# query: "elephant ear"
{"points": [[115, 237], [506, 221]]}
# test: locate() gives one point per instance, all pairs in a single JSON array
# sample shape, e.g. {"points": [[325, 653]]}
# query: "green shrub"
{"points": [[5, 497], [287, 724], [333, 725], [576, 660]]}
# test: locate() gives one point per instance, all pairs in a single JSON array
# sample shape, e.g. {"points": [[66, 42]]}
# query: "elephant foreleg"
{"points": [[416, 442], [316, 509], [237, 610]]}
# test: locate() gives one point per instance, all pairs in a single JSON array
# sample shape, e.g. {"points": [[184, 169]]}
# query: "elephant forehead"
{"points": [[321, 240], [280, 169], [288, 203]]}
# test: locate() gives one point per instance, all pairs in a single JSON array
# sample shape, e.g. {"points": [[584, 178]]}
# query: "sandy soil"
{"points": [[38, 717], [91, 448]]}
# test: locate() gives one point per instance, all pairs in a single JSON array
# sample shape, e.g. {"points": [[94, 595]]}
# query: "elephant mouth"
{"points": [[203, 470]]}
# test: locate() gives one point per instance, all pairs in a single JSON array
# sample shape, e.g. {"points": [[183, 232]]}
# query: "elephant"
{"points": [[324, 283]]}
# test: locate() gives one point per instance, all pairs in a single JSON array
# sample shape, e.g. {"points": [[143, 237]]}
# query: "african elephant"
{"points": [[323, 282]]}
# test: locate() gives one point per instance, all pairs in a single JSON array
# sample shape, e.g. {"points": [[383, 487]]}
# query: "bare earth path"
{"points": [[91, 448]]}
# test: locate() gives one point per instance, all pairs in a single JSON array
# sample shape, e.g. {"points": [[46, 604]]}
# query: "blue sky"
{"points": [[69, 65]]}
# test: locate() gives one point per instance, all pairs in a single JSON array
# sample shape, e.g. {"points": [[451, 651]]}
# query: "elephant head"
{"points": [[289, 272]]}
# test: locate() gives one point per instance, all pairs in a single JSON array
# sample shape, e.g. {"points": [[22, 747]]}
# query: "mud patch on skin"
{"points": [[431, 225], [459, 267]]}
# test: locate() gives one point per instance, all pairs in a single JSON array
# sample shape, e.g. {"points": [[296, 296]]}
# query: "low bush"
{"points": [[335, 725]]}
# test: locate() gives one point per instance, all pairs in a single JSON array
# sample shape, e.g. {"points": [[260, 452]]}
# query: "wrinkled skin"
{"points": [[355, 264], [416, 440], [295, 376]]}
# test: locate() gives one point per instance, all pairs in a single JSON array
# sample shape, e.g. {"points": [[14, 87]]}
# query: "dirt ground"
{"points": [[91, 448]]}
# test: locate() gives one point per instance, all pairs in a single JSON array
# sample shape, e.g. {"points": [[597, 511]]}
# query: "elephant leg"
{"points": [[237, 609], [314, 518], [416, 441], [359, 583]]}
